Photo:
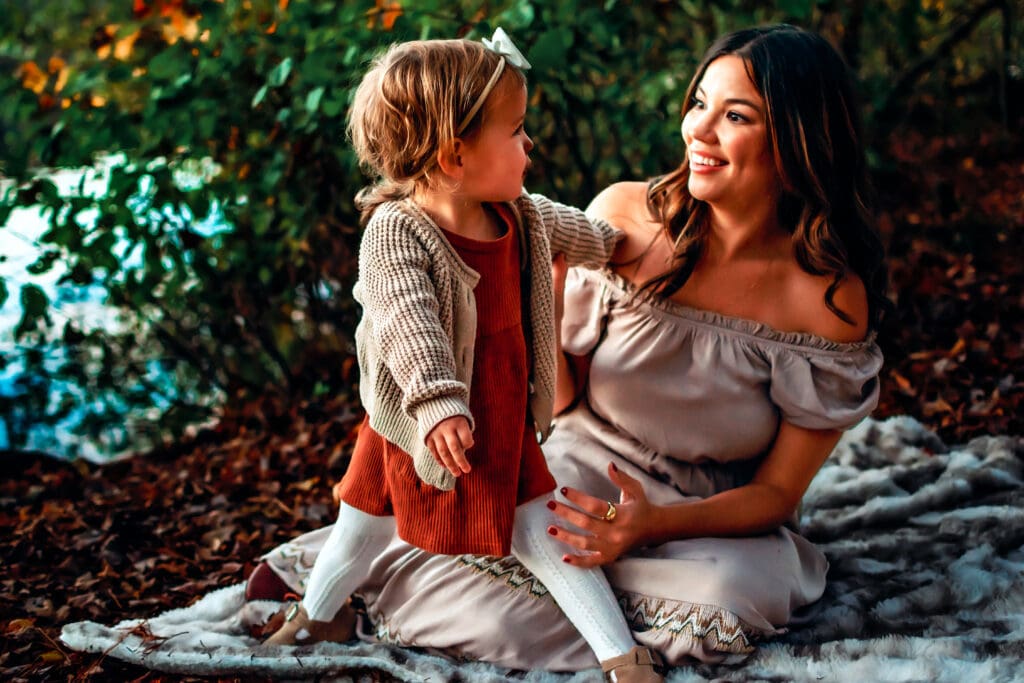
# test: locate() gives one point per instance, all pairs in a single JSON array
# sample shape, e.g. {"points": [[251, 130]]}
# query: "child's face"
{"points": [[496, 157]]}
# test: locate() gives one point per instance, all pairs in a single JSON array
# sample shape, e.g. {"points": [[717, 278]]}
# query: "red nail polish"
{"points": [[551, 505], [552, 530], [563, 490], [614, 468]]}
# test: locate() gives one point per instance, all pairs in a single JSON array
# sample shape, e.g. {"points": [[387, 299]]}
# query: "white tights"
{"points": [[583, 594]]}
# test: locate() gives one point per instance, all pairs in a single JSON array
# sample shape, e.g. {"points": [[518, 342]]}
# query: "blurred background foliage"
{"points": [[223, 230]]}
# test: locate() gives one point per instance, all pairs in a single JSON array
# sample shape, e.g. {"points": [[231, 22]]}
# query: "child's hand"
{"points": [[448, 443]]}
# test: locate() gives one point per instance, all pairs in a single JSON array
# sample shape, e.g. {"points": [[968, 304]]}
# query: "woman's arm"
{"points": [[622, 205], [571, 371], [761, 506]]}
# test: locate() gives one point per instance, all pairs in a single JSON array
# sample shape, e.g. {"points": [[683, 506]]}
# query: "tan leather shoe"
{"points": [[636, 666], [299, 629]]}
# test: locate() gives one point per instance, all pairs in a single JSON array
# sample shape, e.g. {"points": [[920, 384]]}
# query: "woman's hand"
{"points": [[603, 539]]}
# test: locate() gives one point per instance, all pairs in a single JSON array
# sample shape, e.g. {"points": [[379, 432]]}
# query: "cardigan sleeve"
{"points": [[401, 302], [585, 242]]}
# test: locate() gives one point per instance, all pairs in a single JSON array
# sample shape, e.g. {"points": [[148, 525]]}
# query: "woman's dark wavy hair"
{"points": [[814, 135]]}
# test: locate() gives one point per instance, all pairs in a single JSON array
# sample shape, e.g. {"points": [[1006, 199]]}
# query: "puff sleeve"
{"points": [[587, 301], [826, 388]]}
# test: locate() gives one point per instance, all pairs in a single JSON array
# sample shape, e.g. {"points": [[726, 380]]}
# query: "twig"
{"points": [[907, 79]]}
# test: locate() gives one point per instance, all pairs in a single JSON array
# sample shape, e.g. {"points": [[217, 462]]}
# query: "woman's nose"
{"points": [[699, 125]]}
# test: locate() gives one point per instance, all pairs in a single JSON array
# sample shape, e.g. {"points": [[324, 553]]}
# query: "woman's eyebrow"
{"points": [[732, 100], [740, 100]]}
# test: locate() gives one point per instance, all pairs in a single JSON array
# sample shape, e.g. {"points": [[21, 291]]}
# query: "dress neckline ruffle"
{"points": [[739, 326]]}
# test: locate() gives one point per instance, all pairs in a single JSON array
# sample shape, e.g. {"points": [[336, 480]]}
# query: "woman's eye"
{"points": [[736, 118], [697, 103]]}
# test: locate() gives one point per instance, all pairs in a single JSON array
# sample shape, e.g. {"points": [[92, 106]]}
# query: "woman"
{"points": [[706, 379]]}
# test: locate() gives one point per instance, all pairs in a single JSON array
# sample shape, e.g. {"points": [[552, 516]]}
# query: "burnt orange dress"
{"points": [[508, 467]]}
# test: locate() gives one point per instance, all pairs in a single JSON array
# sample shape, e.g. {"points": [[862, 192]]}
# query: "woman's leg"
{"points": [[583, 594]]}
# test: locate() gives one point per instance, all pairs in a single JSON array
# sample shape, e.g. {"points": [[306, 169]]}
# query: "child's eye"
{"points": [[519, 129]]}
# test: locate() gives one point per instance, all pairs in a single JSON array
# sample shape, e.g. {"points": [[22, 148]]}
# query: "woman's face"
{"points": [[726, 136]]}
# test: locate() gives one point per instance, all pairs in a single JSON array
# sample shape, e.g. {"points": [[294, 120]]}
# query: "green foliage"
{"points": [[224, 229]]}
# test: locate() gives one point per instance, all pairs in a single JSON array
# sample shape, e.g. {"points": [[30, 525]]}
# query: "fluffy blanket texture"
{"points": [[926, 545]]}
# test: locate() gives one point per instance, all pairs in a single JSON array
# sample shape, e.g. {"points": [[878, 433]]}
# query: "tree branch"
{"points": [[910, 76]]}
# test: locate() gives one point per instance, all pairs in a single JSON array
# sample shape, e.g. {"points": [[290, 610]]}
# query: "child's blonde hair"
{"points": [[408, 108]]}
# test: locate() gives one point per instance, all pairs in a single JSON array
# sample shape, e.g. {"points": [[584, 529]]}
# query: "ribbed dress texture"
{"points": [[508, 467]]}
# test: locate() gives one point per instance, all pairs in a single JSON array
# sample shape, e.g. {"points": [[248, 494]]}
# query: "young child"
{"points": [[457, 341]]}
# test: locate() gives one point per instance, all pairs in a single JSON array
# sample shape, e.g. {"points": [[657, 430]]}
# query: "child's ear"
{"points": [[450, 160]]}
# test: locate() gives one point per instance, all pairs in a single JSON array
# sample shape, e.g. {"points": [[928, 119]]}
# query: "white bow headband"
{"points": [[501, 44]]}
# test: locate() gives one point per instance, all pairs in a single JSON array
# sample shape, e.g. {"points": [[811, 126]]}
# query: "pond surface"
{"points": [[84, 306]]}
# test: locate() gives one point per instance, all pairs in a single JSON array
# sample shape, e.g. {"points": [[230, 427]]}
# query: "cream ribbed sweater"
{"points": [[415, 340]]}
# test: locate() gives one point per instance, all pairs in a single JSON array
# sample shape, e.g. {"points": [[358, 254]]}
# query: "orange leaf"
{"points": [[17, 626], [386, 13], [390, 16], [903, 384], [32, 77], [180, 26], [958, 348]]}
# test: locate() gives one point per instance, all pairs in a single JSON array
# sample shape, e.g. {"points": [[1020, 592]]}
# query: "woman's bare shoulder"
{"points": [[620, 203], [624, 205], [811, 313]]}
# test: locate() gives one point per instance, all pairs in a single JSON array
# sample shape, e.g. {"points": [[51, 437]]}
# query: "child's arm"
{"points": [[584, 241], [401, 305]]}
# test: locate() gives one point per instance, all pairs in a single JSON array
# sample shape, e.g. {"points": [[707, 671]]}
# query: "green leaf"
{"points": [[258, 97], [797, 9], [280, 73], [167, 64], [313, 99], [332, 106], [44, 263], [550, 50], [34, 303]]}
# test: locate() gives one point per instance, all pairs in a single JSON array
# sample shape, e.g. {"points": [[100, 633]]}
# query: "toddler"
{"points": [[457, 341]]}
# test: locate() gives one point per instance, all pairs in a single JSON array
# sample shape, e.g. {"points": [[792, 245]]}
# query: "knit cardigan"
{"points": [[416, 336]]}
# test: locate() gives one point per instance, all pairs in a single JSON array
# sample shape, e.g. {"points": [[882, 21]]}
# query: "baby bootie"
{"points": [[265, 584], [636, 666]]}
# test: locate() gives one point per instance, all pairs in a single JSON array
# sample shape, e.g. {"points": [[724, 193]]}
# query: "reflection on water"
{"points": [[82, 305]]}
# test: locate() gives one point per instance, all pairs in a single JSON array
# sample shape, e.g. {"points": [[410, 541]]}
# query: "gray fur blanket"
{"points": [[926, 545]]}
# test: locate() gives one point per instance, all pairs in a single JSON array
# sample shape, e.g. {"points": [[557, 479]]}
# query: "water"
{"points": [[82, 305]]}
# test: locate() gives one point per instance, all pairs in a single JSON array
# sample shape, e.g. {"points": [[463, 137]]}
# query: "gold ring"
{"points": [[610, 513]]}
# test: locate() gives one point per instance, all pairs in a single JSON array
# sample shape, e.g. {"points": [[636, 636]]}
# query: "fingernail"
{"points": [[614, 468], [552, 530], [551, 505], [564, 491], [565, 558]]}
